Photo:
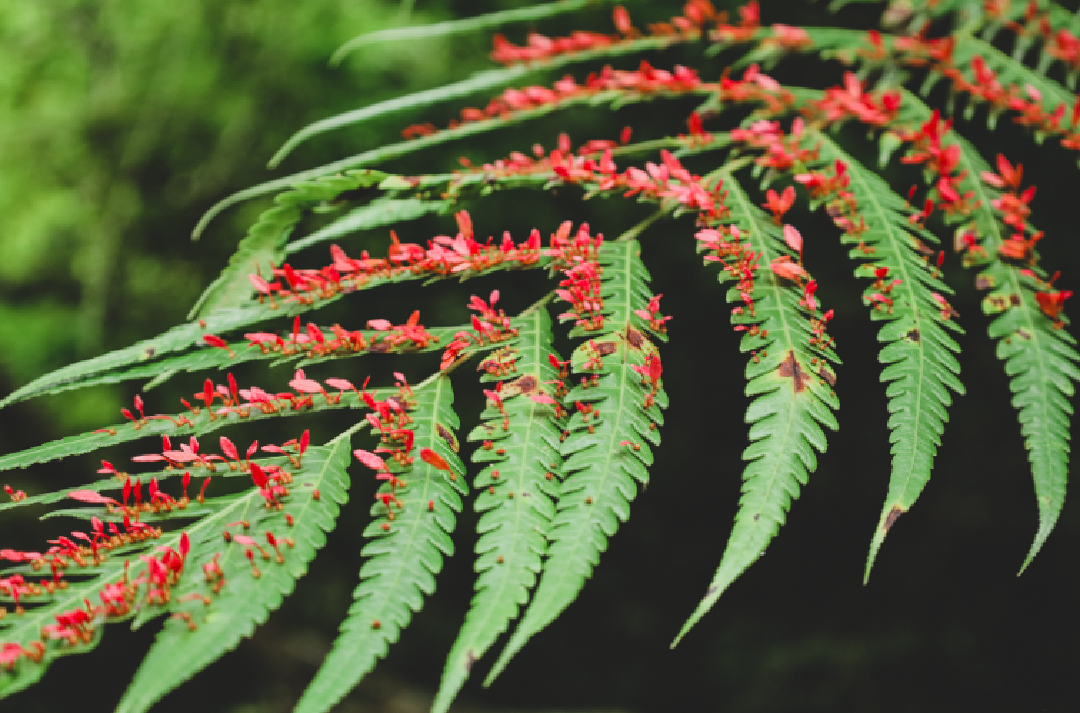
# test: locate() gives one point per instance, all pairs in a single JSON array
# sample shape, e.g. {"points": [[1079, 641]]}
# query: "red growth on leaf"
{"points": [[91, 496], [434, 459]]}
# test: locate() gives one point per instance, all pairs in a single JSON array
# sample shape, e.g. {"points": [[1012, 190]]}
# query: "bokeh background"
{"points": [[122, 122]]}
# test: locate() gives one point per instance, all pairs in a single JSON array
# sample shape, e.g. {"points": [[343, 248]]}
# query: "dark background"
{"points": [[121, 123]]}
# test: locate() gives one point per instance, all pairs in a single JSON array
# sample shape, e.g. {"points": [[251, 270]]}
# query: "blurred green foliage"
{"points": [[121, 122]]}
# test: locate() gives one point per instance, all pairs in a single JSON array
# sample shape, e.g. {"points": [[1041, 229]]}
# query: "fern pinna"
{"points": [[208, 537]]}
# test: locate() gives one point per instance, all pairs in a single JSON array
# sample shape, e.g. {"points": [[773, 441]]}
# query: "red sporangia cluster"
{"points": [[646, 79], [650, 377], [697, 14], [755, 87], [851, 100], [781, 150], [651, 314], [310, 340], [488, 327], [443, 256], [162, 569], [1013, 204], [581, 287], [984, 85], [1061, 44], [391, 420], [15, 495]]}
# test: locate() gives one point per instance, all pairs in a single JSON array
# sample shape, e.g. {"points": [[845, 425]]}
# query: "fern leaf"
{"points": [[219, 616], [1039, 359], [921, 366], [404, 554], [790, 406], [1042, 367], [180, 652], [378, 213], [264, 245], [516, 495], [222, 322], [600, 473], [488, 79], [1008, 70], [484, 80], [455, 27]]}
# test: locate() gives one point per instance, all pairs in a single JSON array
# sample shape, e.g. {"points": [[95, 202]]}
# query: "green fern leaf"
{"points": [[455, 27], [404, 554], [220, 617], [244, 602], [124, 432], [919, 352], [264, 245], [380, 212], [1039, 359], [516, 495], [600, 473], [488, 79], [790, 408]]}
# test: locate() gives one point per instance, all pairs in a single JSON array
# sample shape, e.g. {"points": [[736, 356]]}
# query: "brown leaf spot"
{"points": [[997, 303], [913, 335], [605, 348], [1023, 333], [830, 378], [447, 435], [488, 365], [790, 368], [710, 590], [634, 338], [1014, 300], [527, 384], [470, 659], [983, 282], [895, 513], [380, 347], [923, 247], [757, 516]]}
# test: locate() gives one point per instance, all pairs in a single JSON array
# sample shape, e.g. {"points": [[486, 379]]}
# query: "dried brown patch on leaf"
{"points": [[984, 282], [892, 517], [828, 376], [634, 338], [791, 369], [913, 335], [526, 384], [605, 348], [447, 435]]}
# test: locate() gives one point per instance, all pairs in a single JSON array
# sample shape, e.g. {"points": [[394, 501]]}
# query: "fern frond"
{"points": [[210, 609], [919, 354], [405, 552], [600, 473], [244, 602], [109, 368], [1009, 71], [130, 431], [380, 212], [516, 493], [486, 80], [264, 245], [456, 27], [1040, 359], [793, 400]]}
